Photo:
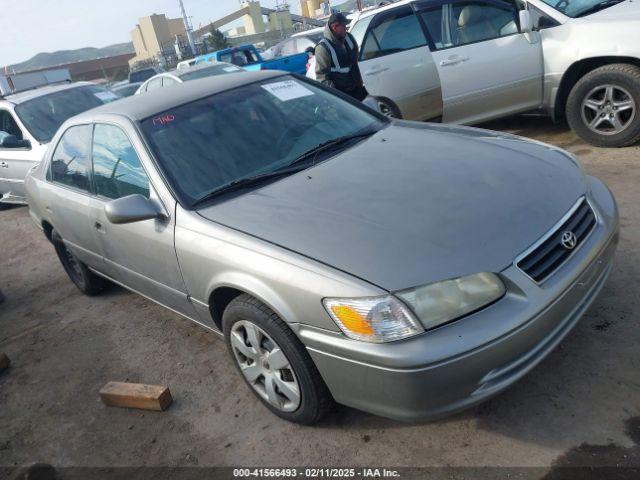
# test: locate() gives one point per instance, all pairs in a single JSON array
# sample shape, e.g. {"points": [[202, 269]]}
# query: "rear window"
{"points": [[210, 71], [43, 115], [141, 75]]}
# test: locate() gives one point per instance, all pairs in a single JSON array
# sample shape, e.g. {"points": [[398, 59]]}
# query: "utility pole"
{"points": [[359, 5], [188, 28]]}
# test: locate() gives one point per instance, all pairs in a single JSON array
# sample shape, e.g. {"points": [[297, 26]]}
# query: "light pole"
{"points": [[188, 28]]}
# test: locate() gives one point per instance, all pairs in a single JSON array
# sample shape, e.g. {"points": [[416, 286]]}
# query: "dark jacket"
{"points": [[349, 78]]}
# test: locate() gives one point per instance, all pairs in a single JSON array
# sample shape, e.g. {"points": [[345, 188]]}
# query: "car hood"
{"points": [[414, 204], [628, 11]]}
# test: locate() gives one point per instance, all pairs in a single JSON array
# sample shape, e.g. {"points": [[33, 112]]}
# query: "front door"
{"points": [[15, 162], [487, 67], [140, 255], [396, 63]]}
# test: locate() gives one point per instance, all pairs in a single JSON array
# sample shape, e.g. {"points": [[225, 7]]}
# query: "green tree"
{"points": [[217, 40]]}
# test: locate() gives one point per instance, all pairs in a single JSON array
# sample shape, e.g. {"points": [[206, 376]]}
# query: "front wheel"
{"points": [[273, 362], [603, 106]]}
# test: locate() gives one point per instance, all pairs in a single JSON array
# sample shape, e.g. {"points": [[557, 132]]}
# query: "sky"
{"points": [[32, 26]]}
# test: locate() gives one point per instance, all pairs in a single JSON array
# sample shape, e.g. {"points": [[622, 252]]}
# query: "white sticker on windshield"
{"points": [[231, 69], [106, 96], [287, 90]]}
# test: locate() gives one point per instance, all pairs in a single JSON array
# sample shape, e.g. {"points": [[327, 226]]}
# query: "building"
{"points": [[154, 35]]}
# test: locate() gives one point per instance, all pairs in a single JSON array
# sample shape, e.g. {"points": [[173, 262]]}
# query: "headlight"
{"points": [[442, 302], [373, 319]]}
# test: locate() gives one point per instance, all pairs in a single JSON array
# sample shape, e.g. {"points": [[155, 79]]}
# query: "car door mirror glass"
{"points": [[130, 209]]}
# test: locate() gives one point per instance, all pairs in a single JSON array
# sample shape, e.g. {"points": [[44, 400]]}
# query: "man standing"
{"points": [[337, 59]]}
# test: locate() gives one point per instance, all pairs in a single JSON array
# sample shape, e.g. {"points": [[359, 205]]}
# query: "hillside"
{"points": [[50, 59]]}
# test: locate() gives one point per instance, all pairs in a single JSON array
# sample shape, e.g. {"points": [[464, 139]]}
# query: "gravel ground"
{"points": [[578, 407]]}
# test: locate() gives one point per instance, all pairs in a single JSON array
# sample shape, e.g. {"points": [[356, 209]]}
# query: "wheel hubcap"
{"points": [[608, 109], [265, 366]]}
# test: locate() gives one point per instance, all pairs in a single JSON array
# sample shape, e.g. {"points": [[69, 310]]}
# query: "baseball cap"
{"points": [[338, 17]]}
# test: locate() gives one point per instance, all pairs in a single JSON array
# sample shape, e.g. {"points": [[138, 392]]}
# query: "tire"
{"points": [[87, 282], [299, 375], [388, 108], [622, 104]]}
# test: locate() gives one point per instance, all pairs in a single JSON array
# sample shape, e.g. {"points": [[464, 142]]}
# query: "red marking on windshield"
{"points": [[163, 119]]}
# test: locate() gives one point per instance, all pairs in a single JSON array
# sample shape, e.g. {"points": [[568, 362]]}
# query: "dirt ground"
{"points": [[578, 407]]}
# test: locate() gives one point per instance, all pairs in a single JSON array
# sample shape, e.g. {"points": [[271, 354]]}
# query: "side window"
{"points": [[360, 28], [8, 126], [154, 84], [166, 81], [391, 32], [289, 47], [477, 21], [540, 19], [117, 171], [435, 21], [71, 157]]}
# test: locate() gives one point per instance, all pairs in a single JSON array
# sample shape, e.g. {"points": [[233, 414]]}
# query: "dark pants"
{"points": [[359, 93]]}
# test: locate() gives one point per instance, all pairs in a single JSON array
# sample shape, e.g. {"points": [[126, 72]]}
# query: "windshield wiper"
{"points": [[328, 145], [292, 167], [244, 183], [598, 6]]}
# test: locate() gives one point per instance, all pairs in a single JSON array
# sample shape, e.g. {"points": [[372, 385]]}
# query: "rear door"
{"points": [[396, 63], [487, 67], [140, 255], [67, 194]]}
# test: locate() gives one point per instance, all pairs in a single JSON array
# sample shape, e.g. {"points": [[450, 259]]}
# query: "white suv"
{"points": [[29, 120], [467, 61]]}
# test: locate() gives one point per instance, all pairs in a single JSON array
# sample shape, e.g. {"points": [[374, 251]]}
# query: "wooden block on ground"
{"points": [[136, 395], [4, 362]]}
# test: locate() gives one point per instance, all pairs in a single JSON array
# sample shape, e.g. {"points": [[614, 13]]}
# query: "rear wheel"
{"points": [[603, 107], [388, 108], [273, 362], [87, 282]]}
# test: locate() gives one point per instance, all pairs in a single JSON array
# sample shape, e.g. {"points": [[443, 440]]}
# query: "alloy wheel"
{"points": [[608, 109], [265, 366]]}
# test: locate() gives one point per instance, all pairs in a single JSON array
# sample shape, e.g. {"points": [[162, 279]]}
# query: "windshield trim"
{"points": [[184, 201], [543, 3]]}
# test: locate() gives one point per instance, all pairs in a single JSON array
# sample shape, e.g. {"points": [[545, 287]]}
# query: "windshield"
{"points": [[578, 8], [43, 115], [209, 71], [247, 131]]}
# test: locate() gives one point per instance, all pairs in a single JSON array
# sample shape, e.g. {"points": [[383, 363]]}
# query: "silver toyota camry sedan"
{"points": [[406, 269]]}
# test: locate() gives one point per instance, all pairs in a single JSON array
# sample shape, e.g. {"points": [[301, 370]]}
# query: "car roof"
{"points": [[199, 66], [21, 97], [374, 10], [139, 107]]}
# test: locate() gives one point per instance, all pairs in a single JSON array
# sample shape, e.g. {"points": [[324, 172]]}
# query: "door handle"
{"points": [[454, 60], [4, 165], [375, 71]]}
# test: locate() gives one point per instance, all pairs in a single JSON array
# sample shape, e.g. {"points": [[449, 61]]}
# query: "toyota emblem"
{"points": [[569, 240]]}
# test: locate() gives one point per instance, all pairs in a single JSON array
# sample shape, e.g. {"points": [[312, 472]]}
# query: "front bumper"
{"points": [[463, 363]]}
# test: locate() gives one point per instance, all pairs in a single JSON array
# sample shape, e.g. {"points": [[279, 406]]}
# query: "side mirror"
{"points": [[132, 208], [526, 22], [11, 141]]}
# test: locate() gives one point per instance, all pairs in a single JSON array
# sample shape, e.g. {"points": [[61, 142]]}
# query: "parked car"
{"points": [[186, 74], [28, 121], [464, 61], [142, 74], [406, 269], [126, 89], [248, 57], [297, 43]]}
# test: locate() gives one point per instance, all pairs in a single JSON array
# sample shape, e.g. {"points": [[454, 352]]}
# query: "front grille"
{"points": [[551, 252]]}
